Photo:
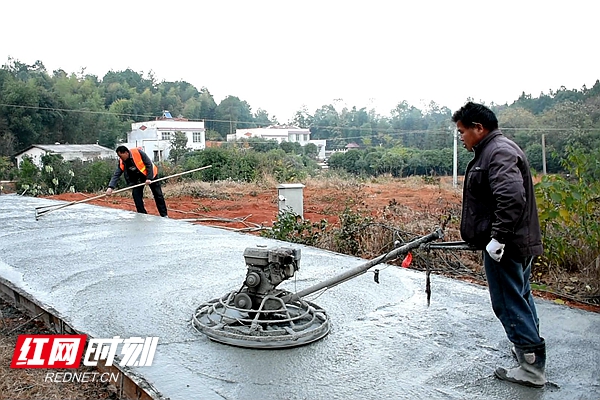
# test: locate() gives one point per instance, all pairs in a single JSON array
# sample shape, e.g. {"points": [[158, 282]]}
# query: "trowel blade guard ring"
{"points": [[294, 324]]}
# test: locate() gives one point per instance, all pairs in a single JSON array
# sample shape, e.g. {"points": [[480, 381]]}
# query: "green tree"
{"points": [[7, 168], [302, 118], [392, 162], [232, 113], [85, 108], [262, 145], [178, 147], [214, 135], [261, 118], [326, 125], [311, 150], [127, 79], [291, 147], [8, 141], [208, 109], [521, 125], [408, 120]]}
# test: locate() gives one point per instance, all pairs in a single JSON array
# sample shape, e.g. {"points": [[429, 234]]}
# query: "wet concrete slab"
{"points": [[110, 272]]}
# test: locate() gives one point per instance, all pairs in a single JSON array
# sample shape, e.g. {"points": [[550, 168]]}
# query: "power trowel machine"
{"points": [[259, 315]]}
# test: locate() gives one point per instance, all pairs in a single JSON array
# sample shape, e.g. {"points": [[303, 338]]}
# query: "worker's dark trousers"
{"points": [[512, 302], [159, 199]]}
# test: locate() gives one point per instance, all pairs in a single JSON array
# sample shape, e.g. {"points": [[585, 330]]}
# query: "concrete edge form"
{"points": [[129, 385]]}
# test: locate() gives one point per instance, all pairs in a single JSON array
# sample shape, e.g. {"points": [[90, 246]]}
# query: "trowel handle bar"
{"points": [[361, 269], [58, 207]]}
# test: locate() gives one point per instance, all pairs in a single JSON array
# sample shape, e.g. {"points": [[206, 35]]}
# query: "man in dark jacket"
{"points": [[138, 168], [499, 214]]}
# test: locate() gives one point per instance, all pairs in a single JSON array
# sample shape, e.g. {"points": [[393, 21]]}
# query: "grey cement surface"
{"points": [[110, 272]]}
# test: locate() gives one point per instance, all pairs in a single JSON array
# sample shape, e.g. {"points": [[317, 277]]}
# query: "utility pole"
{"points": [[544, 153], [455, 158]]}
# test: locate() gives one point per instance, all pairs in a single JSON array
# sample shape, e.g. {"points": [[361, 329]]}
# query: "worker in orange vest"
{"points": [[138, 168]]}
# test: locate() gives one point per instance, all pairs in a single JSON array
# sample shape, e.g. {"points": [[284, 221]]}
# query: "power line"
{"points": [[73, 110], [384, 131], [151, 116]]}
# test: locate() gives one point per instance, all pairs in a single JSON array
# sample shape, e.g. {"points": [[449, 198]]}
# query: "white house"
{"points": [[155, 136], [280, 133], [69, 152]]}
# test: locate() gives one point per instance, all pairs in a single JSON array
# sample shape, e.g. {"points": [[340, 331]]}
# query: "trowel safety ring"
{"points": [[296, 323]]}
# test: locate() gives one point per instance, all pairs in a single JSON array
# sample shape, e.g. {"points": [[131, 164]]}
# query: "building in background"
{"points": [[69, 152], [280, 133], [154, 137]]}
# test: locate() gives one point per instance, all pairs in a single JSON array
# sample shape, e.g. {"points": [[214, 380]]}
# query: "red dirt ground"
{"points": [[260, 206], [242, 208]]}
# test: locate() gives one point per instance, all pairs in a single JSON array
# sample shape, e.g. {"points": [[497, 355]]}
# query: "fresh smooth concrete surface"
{"points": [[110, 272]]}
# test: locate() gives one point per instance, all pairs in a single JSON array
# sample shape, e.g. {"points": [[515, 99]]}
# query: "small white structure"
{"points": [[69, 152], [321, 145], [280, 133], [291, 195], [155, 136]]}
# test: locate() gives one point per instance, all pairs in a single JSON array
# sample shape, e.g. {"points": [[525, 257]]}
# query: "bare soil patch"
{"points": [[258, 204]]}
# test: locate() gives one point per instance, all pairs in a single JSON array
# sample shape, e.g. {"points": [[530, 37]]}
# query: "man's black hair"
{"points": [[122, 149], [472, 113]]}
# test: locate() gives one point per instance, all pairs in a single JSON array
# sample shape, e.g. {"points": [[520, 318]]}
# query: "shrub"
{"points": [[291, 227], [7, 169], [569, 210], [94, 176], [351, 235], [56, 174], [29, 178]]}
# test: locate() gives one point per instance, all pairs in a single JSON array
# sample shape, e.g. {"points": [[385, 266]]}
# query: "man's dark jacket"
{"points": [[499, 198]]}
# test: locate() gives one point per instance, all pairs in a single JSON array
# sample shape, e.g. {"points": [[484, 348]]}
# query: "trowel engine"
{"points": [[267, 268], [259, 315]]}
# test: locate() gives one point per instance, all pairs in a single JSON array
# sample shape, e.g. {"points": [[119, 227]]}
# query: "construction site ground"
{"points": [[109, 272]]}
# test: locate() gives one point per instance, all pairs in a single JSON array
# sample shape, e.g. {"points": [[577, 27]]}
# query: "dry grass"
{"points": [[28, 384], [397, 222], [222, 190]]}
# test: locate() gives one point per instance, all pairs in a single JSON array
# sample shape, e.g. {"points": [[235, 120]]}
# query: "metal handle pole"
{"points": [[39, 213], [361, 269]]}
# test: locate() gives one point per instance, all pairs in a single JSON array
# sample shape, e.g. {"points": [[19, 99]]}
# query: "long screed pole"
{"points": [[361, 269], [44, 212]]}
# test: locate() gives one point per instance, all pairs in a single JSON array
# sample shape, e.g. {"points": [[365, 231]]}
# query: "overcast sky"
{"points": [[281, 55]]}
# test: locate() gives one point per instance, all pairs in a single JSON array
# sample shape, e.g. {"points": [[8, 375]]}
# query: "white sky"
{"points": [[280, 55]]}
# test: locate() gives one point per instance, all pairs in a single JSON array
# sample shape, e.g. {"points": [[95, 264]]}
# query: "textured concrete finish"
{"points": [[111, 272]]}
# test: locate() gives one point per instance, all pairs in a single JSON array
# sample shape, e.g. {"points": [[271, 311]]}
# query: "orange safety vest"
{"points": [[139, 163]]}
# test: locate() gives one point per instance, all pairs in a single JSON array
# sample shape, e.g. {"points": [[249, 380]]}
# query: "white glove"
{"points": [[495, 249]]}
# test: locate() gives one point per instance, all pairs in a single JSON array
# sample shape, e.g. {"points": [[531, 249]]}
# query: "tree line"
{"points": [[41, 107]]}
